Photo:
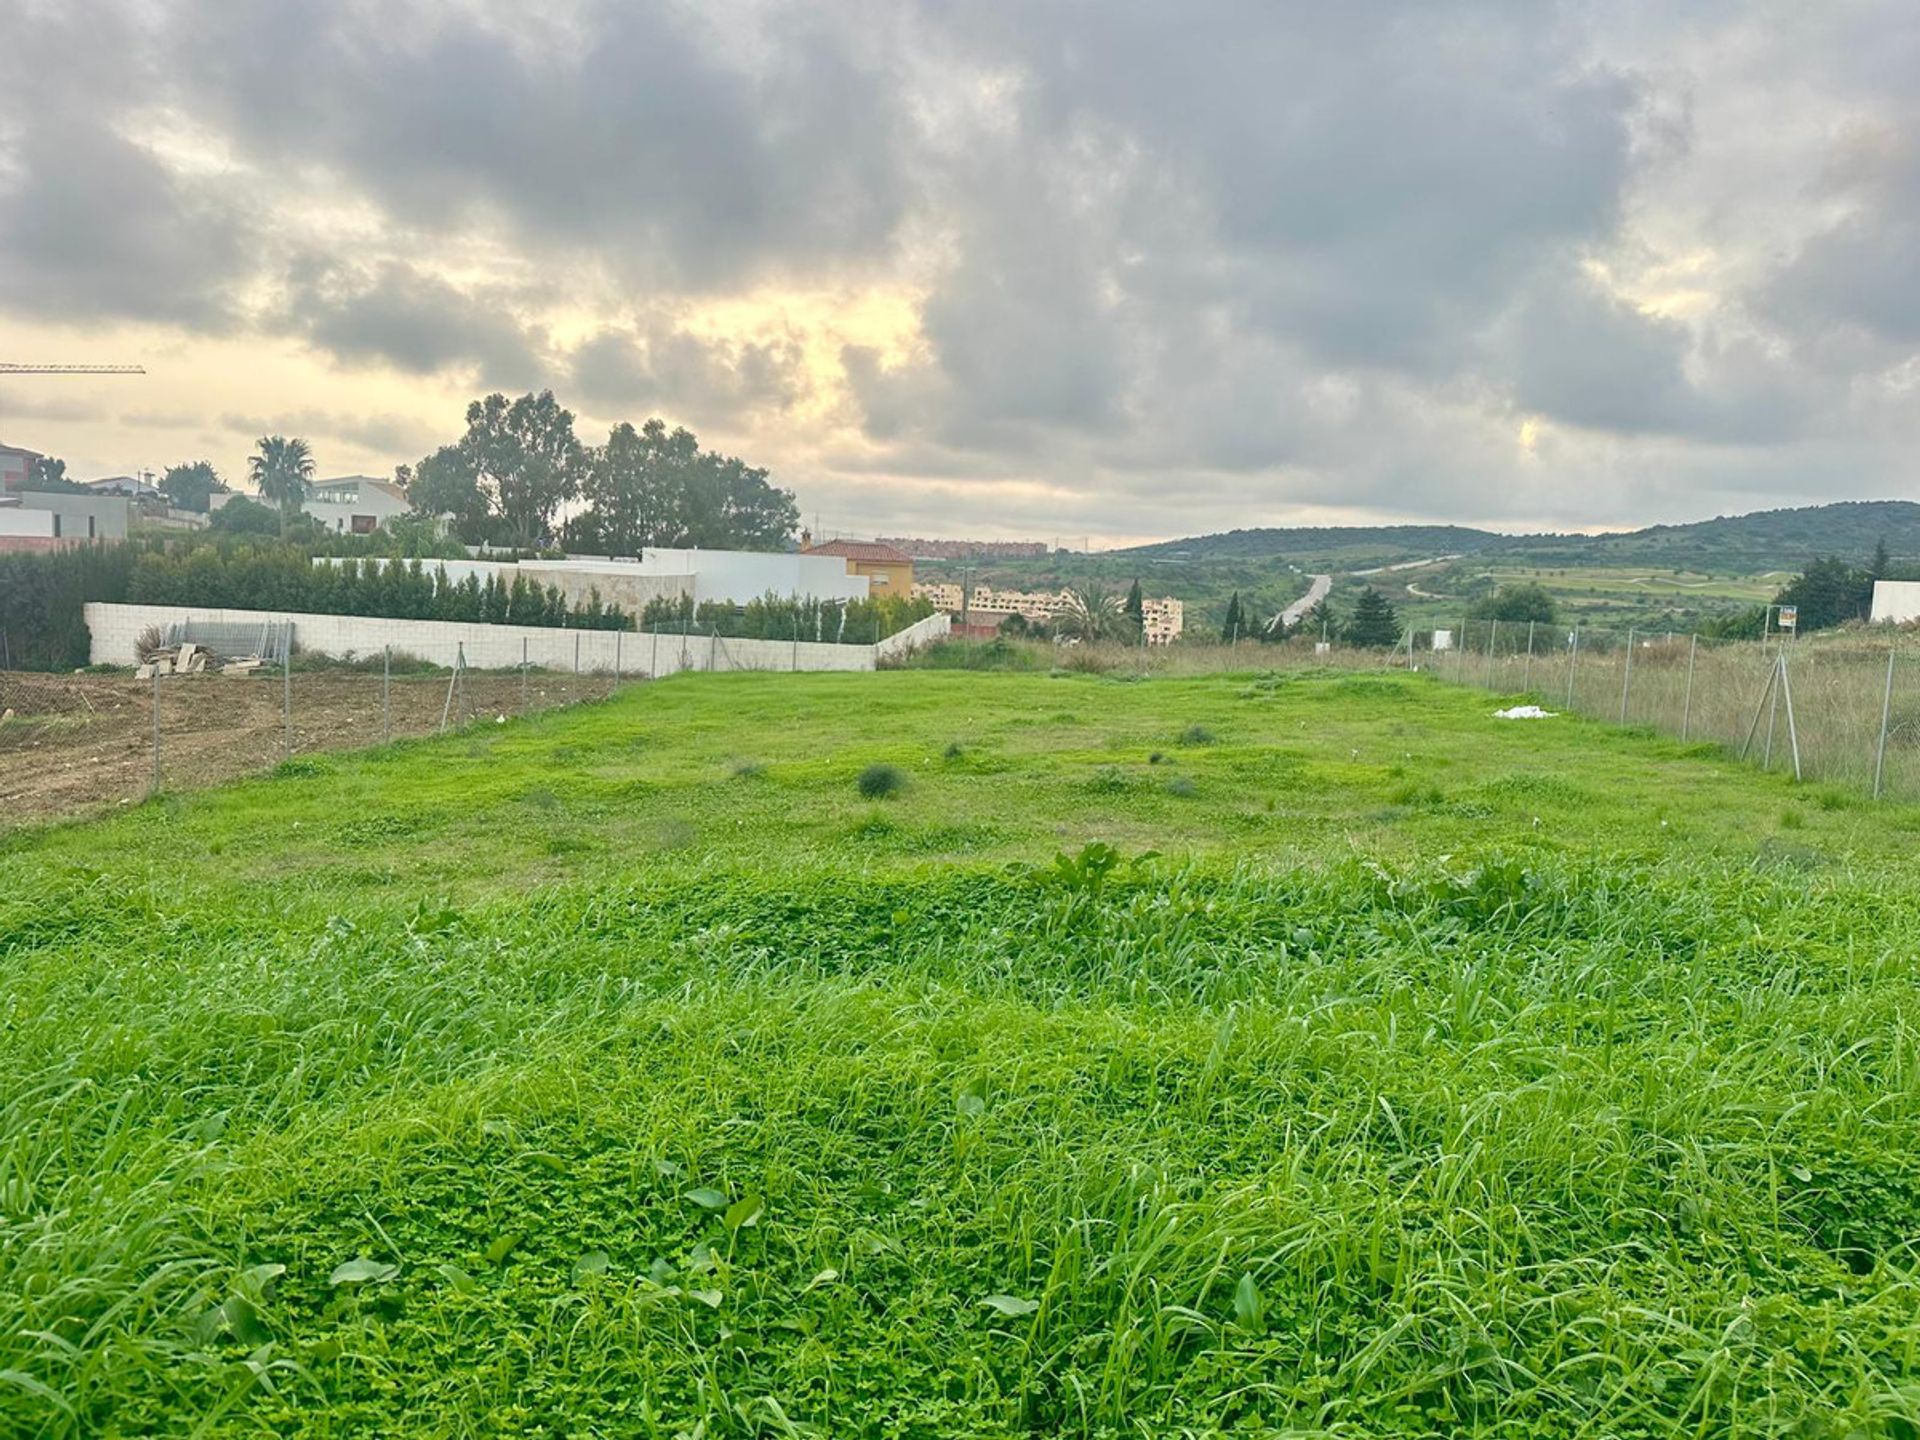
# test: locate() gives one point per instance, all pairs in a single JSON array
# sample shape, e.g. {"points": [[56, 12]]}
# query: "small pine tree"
{"points": [[1136, 606], [1235, 622], [1373, 625]]}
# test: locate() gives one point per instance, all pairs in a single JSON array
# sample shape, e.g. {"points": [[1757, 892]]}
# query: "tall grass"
{"points": [[351, 1126]]}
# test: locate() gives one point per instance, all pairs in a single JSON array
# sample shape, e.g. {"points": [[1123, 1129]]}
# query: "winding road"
{"points": [[1322, 584], [1316, 591]]}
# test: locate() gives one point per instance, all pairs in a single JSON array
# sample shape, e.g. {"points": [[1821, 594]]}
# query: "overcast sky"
{"points": [[1112, 268]]}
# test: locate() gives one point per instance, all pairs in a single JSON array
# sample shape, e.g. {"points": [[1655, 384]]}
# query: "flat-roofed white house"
{"points": [[355, 504]]}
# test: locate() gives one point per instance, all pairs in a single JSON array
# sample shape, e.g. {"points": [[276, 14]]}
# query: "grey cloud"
{"points": [[93, 227], [630, 131], [659, 366], [392, 313]]}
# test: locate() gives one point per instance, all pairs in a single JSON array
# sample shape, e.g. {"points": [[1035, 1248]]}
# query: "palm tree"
{"points": [[280, 469], [1092, 613]]}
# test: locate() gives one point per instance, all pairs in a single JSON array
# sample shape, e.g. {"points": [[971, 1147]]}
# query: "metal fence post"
{"points": [[618, 636], [1686, 707], [523, 675], [1886, 712], [653, 670], [713, 646], [1793, 731], [576, 652], [1626, 678], [1526, 674], [1773, 714], [386, 694], [459, 665], [1573, 664], [1493, 636], [156, 730], [286, 698]]}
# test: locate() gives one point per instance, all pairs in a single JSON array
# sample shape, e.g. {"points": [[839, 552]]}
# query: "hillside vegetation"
{"points": [[1244, 1053], [1677, 577], [1728, 544]]}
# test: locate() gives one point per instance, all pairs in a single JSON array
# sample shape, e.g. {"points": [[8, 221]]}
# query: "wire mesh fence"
{"points": [[1843, 709], [72, 744]]}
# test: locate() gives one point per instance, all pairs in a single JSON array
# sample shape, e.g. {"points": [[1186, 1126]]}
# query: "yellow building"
{"points": [[888, 571]]}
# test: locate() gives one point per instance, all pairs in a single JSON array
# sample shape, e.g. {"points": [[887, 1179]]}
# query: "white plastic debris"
{"points": [[1524, 712]]}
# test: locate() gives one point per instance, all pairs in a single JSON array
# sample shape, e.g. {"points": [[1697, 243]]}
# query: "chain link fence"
{"points": [[1844, 709]]}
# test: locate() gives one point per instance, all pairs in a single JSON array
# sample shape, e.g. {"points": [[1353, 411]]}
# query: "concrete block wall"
{"points": [[115, 628]]}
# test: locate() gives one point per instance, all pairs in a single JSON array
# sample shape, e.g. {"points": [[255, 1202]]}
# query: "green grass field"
{"points": [[1248, 1055]]}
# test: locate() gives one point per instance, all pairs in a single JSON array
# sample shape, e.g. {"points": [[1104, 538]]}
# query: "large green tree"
{"points": [[1374, 625], [445, 483], [657, 487], [1828, 592], [281, 469], [635, 489], [526, 462], [191, 485]]}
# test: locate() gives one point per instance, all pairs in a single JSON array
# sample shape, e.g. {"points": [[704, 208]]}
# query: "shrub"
{"points": [[881, 782], [1197, 735]]}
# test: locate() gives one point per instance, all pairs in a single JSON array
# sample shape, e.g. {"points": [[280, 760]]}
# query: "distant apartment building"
{"points": [[1163, 617], [966, 549], [889, 570]]}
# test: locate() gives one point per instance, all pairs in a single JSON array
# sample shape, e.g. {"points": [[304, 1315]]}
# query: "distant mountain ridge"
{"points": [[1761, 540]]}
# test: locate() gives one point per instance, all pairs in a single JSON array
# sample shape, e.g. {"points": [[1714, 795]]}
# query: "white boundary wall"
{"points": [[115, 628]]}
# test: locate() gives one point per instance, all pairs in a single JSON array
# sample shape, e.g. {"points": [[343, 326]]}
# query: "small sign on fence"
{"points": [[1789, 617]]}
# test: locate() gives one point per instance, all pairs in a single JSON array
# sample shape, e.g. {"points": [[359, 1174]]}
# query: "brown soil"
{"points": [[82, 744]]}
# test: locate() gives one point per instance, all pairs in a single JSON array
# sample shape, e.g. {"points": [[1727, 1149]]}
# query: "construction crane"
{"points": [[10, 368]]}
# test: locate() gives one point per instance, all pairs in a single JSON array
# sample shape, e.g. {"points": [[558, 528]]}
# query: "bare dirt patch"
{"points": [[81, 744]]}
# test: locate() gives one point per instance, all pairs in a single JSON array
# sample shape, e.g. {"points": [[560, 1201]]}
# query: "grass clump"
{"points": [[881, 782], [1197, 735]]}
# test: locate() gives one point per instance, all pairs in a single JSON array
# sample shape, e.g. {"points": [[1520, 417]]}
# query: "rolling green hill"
{"points": [[1673, 576], [1732, 544]]}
